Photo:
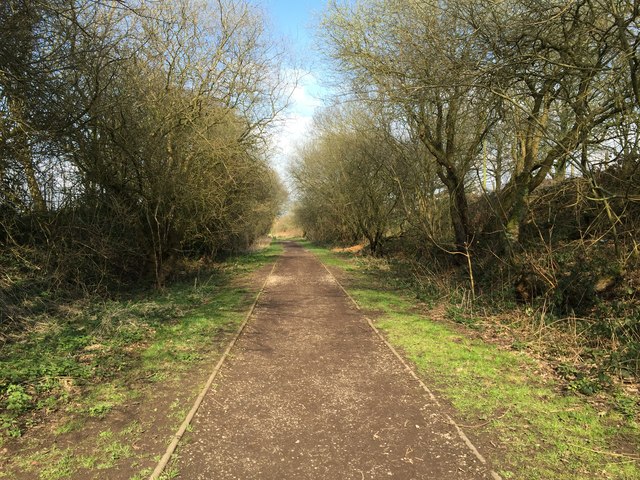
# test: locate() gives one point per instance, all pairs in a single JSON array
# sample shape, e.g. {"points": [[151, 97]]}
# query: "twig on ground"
{"points": [[634, 458], [488, 421]]}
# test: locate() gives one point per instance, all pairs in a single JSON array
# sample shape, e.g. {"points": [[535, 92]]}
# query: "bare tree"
{"points": [[421, 59], [133, 129], [347, 190], [551, 64]]}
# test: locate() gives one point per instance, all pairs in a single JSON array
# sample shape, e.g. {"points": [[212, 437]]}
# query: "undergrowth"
{"points": [[553, 417], [87, 357]]}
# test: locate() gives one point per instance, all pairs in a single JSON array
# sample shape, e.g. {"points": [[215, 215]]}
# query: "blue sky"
{"points": [[294, 21], [294, 18]]}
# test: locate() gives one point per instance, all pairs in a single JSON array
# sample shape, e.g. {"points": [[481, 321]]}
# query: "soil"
{"points": [[311, 392]]}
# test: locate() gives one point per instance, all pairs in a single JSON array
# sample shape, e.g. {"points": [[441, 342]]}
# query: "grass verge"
{"points": [[506, 400], [77, 378]]}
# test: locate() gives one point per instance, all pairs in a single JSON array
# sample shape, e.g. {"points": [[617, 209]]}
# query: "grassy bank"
{"points": [[519, 411], [82, 389]]}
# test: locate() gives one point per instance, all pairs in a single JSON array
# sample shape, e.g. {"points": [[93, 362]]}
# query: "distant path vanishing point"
{"points": [[311, 392]]}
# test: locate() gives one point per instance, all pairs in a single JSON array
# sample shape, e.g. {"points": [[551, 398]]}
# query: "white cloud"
{"points": [[305, 98], [293, 132], [296, 121]]}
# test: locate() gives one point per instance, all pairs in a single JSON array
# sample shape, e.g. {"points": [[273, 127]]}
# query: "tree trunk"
{"points": [[24, 158], [22, 153], [518, 209], [458, 209], [498, 169]]}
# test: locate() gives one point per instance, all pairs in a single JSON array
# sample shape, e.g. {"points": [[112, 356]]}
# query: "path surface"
{"points": [[311, 392]]}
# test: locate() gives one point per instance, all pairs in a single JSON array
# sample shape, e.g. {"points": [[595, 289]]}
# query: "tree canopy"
{"points": [[132, 132]]}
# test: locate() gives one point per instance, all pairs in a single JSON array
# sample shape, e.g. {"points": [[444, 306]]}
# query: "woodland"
{"points": [[134, 154], [485, 155], [492, 148], [132, 135]]}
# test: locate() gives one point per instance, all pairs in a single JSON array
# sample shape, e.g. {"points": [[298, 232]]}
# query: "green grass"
{"points": [[88, 360], [54, 463], [71, 425], [62, 467], [332, 259], [142, 475], [543, 432]]}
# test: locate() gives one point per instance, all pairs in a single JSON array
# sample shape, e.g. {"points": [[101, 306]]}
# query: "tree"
{"points": [[131, 130], [553, 65], [419, 58], [345, 178]]}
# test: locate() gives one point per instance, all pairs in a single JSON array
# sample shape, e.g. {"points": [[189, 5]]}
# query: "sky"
{"points": [[294, 21], [294, 18]]}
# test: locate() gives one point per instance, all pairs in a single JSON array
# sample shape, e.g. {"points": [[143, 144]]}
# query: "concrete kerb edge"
{"points": [[166, 458], [428, 391]]}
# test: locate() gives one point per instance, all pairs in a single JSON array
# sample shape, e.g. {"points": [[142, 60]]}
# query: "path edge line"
{"points": [[164, 461], [407, 367]]}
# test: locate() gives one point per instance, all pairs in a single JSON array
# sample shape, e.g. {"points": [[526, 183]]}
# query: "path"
{"points": [[311, 392]]}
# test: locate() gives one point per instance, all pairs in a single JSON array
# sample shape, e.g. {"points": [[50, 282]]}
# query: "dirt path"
{"points": [[311, 392]]}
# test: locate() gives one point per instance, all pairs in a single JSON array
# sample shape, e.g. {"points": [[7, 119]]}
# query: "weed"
{"points": [[18, 400], [584, 385], [544, 433], [87, 461], [177, 411], [99, 409], [626, 405], [142, 475], [459, 315], [62, 468], [9, 426], [134, 428], [188, 357], [170, 473], [158, 377], [115, 451], [72, 425]]}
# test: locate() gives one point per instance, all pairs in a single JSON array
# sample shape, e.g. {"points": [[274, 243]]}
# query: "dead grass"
{"points": [[285, 227], [353, 249]]}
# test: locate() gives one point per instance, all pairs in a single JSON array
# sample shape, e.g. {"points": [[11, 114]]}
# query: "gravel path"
{"points": [[311, 392]]}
